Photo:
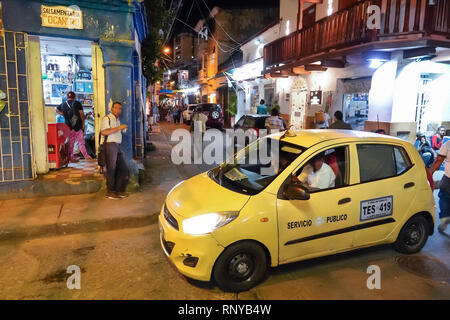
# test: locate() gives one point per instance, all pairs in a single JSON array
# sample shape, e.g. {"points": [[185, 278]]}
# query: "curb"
{"points": [[83, 226], [39, 188]]}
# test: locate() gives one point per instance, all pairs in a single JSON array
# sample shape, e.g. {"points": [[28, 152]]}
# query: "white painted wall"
{"points": [[252, 50], [282, 88], [288, 12], [381, 95], [322, 8]]}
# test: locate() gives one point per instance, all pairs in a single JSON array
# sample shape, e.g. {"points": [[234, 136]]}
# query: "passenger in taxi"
{"points": [[317, 174]]}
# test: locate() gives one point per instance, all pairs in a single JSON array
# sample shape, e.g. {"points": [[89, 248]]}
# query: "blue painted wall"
{"points": [[111, 23]]}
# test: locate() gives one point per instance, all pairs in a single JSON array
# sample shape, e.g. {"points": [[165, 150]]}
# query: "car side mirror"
{"points": [[295, 191]]}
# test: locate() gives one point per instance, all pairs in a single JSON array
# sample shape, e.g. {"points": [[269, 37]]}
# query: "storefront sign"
{"points": [[62, 17]]}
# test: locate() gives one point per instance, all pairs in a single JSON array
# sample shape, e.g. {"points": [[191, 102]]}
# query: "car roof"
{"points": [[310, 137], [255, 115]]}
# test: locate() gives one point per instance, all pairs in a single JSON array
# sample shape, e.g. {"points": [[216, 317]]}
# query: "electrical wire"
{"points": [[232, 49], [190, 10], [231, 38], [173, 22], [219, 46]]}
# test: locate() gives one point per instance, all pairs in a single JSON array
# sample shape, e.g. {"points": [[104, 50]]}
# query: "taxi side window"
{"points": [[326, 170], [378, 161], [402, 160]]}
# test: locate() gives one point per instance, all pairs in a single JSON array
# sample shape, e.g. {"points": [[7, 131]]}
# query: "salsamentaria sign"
{"points": [[62, 17]]}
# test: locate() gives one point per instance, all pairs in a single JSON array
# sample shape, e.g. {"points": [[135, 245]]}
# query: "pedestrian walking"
{"points": [[339, 122], [444, 187], [74, 117], [154, 114], [199, 120], [274, 122], [116, 173], [176, 114]]}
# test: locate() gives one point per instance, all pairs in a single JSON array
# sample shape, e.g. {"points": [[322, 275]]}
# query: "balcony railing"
{"points": [[348, 27]]}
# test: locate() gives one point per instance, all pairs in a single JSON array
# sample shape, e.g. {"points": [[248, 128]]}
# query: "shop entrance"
{"points": [[356, 109], [67, 65]]}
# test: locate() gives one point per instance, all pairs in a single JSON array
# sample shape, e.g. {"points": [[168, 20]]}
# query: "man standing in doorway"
{"points": [[117, 173], [73, 113], [339, 123]]}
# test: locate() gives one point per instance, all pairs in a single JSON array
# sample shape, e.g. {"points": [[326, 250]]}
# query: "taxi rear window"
{"points": [[378, 161]]}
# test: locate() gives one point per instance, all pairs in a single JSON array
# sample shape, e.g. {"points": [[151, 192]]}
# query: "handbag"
{"points": [[101, 156]]}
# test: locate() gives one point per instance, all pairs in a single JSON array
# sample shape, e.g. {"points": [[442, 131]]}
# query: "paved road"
{"points": [[129, 264]]}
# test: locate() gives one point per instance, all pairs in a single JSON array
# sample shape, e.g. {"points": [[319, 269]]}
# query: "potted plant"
{"points": [[232, 108]]}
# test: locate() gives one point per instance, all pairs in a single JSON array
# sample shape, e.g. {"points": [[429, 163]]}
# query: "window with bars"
{"points": [[15, 128]]}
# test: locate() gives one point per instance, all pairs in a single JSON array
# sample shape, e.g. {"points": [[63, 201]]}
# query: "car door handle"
{"points": [[345, 200], [409, 185]]}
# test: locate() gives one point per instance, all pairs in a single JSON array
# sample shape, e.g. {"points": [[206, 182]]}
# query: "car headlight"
{"points": [[207, 223]]}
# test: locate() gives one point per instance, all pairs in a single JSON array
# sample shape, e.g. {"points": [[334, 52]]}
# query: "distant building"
{"points": [[388, 70], [228, 29]]}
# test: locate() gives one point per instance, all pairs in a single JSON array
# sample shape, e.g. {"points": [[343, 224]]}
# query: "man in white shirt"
{"points": [[317, 174], [444, 187], [117, 173]]}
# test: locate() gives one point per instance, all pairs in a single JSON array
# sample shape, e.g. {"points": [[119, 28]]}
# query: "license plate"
{"points": [[376, 208]]}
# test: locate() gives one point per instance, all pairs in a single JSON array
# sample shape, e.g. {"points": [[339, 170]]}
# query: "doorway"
{"points": [[67, 65], [298, 106], [356, 109]]}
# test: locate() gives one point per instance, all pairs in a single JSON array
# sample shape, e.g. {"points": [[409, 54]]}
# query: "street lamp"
{"points": [[166, 50]]}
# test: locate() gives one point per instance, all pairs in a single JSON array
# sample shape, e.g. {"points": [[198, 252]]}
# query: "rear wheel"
{"points": [[240, 267], [413, 235]]}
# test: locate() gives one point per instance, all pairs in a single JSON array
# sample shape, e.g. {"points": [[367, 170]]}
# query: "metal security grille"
{"points": [[423, 100], [15, 128]]}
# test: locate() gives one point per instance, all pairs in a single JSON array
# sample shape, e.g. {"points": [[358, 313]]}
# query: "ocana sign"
{"points": [[62, 17]]}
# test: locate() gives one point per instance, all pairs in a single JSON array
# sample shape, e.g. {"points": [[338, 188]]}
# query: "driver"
{"points": [[317, 174]]}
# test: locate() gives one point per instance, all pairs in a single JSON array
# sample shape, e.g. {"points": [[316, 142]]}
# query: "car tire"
{"points": [[413, 235], [240, 267], [215, 114]]}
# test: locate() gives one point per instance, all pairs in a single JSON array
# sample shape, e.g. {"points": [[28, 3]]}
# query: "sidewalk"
{"points": [[77, 178], [58, 215]]}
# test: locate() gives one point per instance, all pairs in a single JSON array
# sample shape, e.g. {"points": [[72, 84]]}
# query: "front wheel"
{"points": [[240, 267], [413, 235]]}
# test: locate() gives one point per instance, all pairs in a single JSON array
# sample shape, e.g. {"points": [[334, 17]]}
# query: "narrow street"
{"points": [[129, 263]]}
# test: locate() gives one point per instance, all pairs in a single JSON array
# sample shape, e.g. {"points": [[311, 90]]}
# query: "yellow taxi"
{"points": [[295, 196]]}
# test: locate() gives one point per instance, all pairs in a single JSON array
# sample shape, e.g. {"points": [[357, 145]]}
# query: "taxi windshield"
{"points": [[256, 166]]}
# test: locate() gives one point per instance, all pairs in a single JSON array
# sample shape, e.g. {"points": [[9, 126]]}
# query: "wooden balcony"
{"points": [[403, 23]]}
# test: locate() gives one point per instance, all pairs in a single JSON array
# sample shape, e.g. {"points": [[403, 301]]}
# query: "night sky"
{"points": [[194, 10]]}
